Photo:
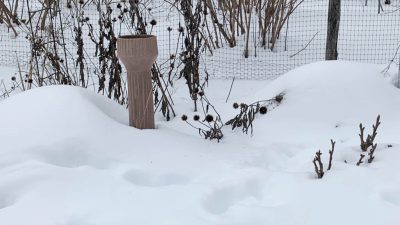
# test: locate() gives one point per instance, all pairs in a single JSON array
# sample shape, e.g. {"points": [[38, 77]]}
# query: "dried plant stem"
{"points": [[331, 154]]}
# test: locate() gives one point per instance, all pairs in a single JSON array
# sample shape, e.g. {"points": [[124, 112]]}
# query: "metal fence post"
{"points": [[331, 52]]}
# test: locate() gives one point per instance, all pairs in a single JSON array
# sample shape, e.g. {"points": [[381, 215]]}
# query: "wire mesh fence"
{"points": [[369, 32]]}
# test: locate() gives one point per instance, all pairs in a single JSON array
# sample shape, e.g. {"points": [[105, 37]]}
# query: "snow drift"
{"points": [[68, 157]]}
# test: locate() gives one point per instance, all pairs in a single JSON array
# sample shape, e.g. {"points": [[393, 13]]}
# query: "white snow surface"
{"points": [[68, 157]]}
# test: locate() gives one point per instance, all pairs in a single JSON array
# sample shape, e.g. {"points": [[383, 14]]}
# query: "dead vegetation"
{"points": [[368, 143], [319, 165]]}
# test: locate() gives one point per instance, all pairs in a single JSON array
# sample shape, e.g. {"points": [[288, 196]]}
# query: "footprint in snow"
{"points": [[70, 154], [220, 199], [143, 178]]}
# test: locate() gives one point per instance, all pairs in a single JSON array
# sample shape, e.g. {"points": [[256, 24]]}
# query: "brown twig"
{"points": [[319, 168], [331, 154], [371, 153], [370, 138], [360, 160]]}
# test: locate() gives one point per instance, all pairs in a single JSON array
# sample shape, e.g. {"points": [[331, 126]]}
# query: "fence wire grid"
{"points": [[369, 32]]}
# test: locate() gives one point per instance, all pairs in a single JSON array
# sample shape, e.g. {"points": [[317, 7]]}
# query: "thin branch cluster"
{"points": [[317, 161], [368, 142], [247, 114], [210, 125]]}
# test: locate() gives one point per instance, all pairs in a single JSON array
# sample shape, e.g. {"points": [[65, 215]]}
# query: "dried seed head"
{"points": [[13, 78], [196, 117], [209, 118], [184, 117], [263, 110], [153, 22], [235, 105], [279, 98]]}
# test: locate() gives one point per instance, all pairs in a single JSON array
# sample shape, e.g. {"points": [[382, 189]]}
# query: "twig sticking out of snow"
{"points": [[371, 153], [360, 160], [318, 165], [370, 138], [369, 142], [319, 168], [331, 154]]}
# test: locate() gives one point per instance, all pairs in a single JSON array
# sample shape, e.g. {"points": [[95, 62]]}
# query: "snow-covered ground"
{"points": [[67, 156]]}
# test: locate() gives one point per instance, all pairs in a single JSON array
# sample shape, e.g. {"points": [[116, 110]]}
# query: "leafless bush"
{"points": [[317, 161], [233, 18], [368, 143], [9, 15]]}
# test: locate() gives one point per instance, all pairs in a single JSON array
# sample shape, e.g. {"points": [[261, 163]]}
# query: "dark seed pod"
{"points": [[263, 110], [279, 98], [196, 117], [209, 118], [184, 117]]}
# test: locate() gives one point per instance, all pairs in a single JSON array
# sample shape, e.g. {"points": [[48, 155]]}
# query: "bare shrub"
{"points": [[368, 143], [319, 165]]}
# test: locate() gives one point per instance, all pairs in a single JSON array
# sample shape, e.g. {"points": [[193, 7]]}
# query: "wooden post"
{"points": [[331, 52], [138, 53]]}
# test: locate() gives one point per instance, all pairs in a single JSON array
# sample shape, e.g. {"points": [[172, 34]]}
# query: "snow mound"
{"points": [[331, 99], [68, 157]]}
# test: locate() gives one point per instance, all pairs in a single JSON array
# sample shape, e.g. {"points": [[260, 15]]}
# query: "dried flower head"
{"points": [[235, 105], [209, 118], [184, 117], [279, 98], [263, 110], [196, 117]]}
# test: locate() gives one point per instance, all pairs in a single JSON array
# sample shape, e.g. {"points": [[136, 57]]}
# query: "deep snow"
{"points": [[67, 157]]}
